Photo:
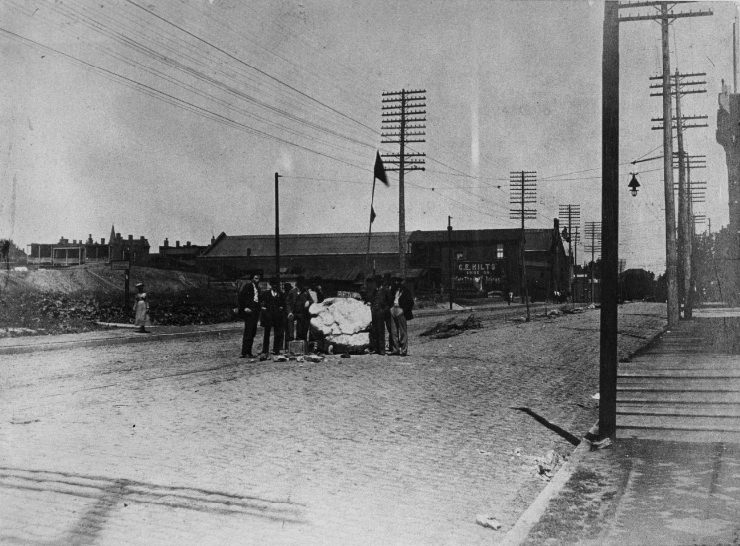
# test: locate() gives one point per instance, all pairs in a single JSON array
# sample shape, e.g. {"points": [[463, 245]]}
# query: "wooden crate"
{"points": [[297, 347]]}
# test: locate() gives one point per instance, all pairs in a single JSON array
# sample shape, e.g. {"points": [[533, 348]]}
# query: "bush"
{"points": [[52, 313]]}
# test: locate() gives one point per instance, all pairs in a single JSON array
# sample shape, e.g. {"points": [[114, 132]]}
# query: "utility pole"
{"points": [[571, 214], [576, 237], [522, 192], [277, 231], [404, 122], [697, 194], [593, 245], [666, 16], [610, 219], [680, 88], [693, 192], [449, 256]]}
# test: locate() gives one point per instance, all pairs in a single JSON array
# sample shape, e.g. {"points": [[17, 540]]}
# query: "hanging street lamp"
{"points": [[633, 185]]}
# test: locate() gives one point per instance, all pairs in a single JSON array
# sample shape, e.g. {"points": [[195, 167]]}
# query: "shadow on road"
{"points": [[109, 494]]}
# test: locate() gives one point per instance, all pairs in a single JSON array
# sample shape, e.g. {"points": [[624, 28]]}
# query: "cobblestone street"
{"points": [[181, 442]]}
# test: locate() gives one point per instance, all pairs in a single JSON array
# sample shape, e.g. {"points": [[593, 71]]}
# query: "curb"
{"points": [[646, 346], [518, 534], [139, 338]]}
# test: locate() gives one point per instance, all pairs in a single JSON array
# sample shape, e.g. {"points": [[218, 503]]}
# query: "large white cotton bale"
{"points": [[336, 316]]}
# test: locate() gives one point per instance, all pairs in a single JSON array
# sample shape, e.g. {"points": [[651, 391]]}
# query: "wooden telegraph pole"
{"points": [[680, 161], [404, 122], [666, 16], [610, 196], [593, 231], [571, 214], [450, 263], [609, 223], [277, 232], [523, 191]]}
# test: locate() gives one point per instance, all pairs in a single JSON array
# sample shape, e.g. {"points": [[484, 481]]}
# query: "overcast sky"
{"points": [[170, 118]]}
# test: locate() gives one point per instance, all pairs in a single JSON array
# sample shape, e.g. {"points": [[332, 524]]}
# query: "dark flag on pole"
{"points": [[380, 170], [372, 214]]}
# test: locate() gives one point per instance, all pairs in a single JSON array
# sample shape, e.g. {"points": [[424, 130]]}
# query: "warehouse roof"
{"points": [[535, 239], [309, 244]]}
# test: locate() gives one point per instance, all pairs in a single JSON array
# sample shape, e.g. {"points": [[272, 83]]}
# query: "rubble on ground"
{"points": [[488, 521], [544, 466], [453, 326]]}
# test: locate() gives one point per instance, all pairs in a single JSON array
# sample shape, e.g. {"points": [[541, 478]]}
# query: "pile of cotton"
{"points": [[343, 322]]}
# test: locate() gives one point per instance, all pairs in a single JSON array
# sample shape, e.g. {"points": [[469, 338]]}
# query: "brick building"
{"points": [[178, 256], [136, 250], [484, 261], [66, 253]]}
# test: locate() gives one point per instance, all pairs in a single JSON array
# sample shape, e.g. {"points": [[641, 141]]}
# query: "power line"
{"points": [[176, 101], [278, 80]]}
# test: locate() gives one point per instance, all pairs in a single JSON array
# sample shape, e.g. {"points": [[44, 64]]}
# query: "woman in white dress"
{"points": [[141, 309]]}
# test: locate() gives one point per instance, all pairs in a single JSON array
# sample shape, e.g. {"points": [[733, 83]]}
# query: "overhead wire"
{"points": [[459, 172], [171, 99]]}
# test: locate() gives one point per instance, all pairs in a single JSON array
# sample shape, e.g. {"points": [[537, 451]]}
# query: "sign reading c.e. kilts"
{"points": [[490, 273], [477, 269]]}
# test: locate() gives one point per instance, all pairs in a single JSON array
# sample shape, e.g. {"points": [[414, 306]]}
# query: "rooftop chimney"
{"points": [[166, 242], [177, 244]]}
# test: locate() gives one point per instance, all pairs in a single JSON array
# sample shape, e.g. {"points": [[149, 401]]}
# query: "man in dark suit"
{"points": [[377, 297], [272, 305], [249, 310], [401, 306], [300, 310], [291, 294], [387, 297]]}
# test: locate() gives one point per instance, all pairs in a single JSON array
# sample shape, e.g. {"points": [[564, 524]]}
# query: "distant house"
{"points": [[67, 253], [178, 256], [135, 250]]}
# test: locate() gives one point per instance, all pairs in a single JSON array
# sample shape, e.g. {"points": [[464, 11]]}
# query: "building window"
{"points": [[500, 250]]}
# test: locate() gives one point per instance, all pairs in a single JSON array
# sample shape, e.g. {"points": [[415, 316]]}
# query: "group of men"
{"points": [[282, 311], [391, 305]]}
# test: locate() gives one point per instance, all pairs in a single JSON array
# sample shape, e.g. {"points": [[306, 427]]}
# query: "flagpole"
{"points": [[379, 173], [370, 227]]}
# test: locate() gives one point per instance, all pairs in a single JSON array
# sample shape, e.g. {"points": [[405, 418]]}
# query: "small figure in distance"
{"points": [[141, 309]]}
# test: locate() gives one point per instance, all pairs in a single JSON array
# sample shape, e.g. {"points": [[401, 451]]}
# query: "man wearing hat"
{"points": [[386, 294], [300, 310], [249, 310], [141, 309], [378, 298], [402, 304], [272, 304]]}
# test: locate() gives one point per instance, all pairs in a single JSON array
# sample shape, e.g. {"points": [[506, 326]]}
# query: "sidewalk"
{"points": [[112, 336], [643, 490], [119, 334]]}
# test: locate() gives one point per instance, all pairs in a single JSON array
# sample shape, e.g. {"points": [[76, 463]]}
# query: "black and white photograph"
{"points": [[390, 272]]}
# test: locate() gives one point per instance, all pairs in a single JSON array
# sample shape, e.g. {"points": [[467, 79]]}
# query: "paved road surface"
{"points": [[180, 442]]}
